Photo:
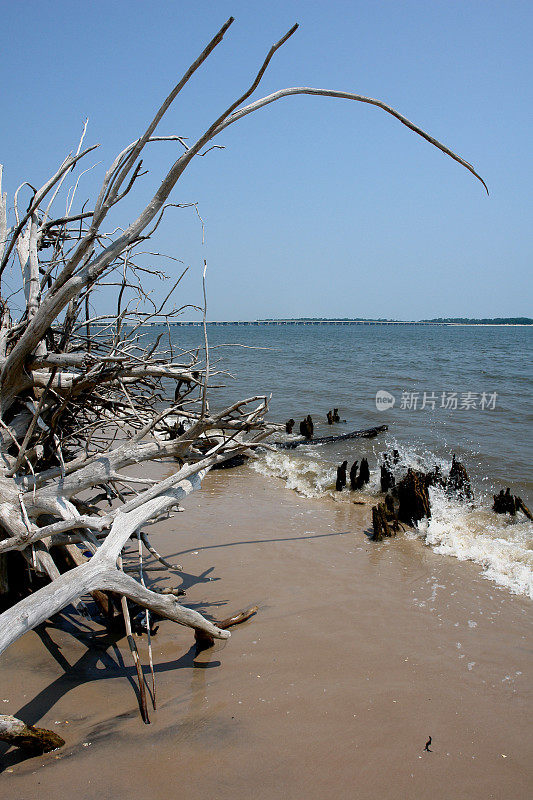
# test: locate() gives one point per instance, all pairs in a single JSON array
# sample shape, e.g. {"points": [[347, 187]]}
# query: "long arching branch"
{"points": [[271, 98]]}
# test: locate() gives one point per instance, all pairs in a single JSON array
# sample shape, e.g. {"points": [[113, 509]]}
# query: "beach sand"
{"points": [[359, 652]]}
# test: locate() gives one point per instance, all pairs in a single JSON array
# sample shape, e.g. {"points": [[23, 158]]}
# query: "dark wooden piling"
{"points": [[413, 498]]}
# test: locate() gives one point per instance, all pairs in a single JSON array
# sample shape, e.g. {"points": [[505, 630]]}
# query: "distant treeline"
{"points": [[329, 319], [484, 321], [458, 320]]}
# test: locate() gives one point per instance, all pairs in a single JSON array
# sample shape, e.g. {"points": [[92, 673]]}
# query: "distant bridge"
{"points": [[303, 322]]}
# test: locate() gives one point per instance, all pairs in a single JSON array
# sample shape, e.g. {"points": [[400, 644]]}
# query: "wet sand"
{"points": [[360, 651]]}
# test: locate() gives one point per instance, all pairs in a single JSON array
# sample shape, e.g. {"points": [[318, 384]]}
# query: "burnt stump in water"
{"points": [[458, 480], [387, 478], [379, 523], [435, 477], [504, 503], [413, 498], [353, 476], [385, 523], [364, 474], [307, 427], [507, 503], [341, 477]]}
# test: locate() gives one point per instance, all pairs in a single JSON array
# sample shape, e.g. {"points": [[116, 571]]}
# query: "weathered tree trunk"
{"points": [[385, 523], [205, 640]]}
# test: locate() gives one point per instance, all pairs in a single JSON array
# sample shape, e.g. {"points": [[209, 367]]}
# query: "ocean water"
{"points": [[462, 389]]}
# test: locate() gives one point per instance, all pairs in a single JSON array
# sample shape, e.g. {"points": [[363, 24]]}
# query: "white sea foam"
{"points": [[501, 545], [308, 477], [419, 458]]}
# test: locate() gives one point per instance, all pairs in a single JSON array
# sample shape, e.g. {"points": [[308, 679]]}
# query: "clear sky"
{"points": [[317, 207]]}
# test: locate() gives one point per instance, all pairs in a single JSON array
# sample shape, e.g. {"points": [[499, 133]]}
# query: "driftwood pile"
{"points": [[81, 390]]}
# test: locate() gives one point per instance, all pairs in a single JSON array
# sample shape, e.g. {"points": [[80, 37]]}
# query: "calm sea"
{"points": [[463, 390]]}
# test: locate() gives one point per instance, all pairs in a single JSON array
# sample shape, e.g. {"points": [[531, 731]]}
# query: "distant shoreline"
{"points": [[420, 323]]}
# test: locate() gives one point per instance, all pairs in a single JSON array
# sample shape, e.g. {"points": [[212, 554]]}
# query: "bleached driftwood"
{"points": [[101, 572], [83, 393]]}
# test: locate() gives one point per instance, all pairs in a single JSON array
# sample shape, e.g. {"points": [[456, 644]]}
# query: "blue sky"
{"points": [[317, 207]]}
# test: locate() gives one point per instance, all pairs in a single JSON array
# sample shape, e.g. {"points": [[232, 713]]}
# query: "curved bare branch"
{"points": [[271, 98]]}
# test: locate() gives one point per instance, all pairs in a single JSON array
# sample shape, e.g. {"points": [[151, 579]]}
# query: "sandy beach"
{"points": [[265, 297], [359, 652]]}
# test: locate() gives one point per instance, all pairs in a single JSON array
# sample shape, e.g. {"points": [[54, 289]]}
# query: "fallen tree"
{"points": [[366, 433], [83, 393]]}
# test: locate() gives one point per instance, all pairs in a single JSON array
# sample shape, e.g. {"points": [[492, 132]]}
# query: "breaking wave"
{"points": [[469, 531], [501, 544]]}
